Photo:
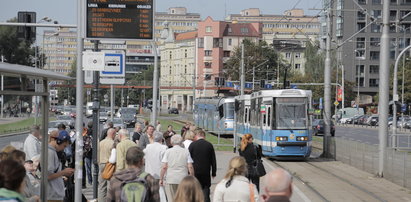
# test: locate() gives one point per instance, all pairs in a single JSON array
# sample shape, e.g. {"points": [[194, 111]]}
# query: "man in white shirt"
{"points": [[154, 153], [177, 163], [32, 144]]}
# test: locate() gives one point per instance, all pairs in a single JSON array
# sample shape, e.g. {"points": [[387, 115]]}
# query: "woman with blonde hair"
{"points": [[251, 153], [235, 186], [189, 190]]}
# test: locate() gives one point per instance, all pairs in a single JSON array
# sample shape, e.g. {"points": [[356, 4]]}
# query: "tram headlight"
{"points": [[281, 138], [302, 138]]}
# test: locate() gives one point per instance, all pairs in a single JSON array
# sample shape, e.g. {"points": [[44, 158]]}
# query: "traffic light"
{"points": [[26, 32]]}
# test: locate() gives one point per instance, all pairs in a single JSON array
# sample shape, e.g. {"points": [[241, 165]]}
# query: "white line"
{"points": [[296, 190]]}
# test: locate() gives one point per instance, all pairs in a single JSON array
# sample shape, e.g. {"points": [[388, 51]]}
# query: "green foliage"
{"points": [[407, 79]]}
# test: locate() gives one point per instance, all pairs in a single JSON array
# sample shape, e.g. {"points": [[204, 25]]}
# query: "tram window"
{"points": [[221, 111], [269, 116], [245, 115], [264, 119], [249, 117]]}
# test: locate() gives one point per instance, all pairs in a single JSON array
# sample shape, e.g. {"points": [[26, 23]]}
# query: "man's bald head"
{"points": [[111, 133], [278, 183]]}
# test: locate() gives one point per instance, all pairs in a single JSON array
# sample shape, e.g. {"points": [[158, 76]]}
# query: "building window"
{"points": [[376, 13], [288, 55], [360, 42], [207, 77], [374, 69], [297, 66], [185, 69], [375, 41], [244, 30], [360, 15], [217, 43], [208, 52], [374, 82], [201, 42], [393, 1], [403, 13], [374, 55], [230, 42], [226, 54], [362, 2], [393, 15], [185, 53], [360, 54], [376, 2], [375, 28], [207, 64], [209, 29], [393, 28], [171, 55], [297, 55], [360, 26]]}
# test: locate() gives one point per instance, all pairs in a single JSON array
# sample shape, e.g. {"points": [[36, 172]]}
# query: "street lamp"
{"points": [[402, 82], [358, 79]]}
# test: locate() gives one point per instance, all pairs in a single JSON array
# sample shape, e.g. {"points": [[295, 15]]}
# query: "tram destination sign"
{"points": [[120, 19]]}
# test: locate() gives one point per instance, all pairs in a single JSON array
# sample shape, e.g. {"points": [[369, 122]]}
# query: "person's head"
{"points": [[150, 130], [189, 135], [170, 128], [188, 124], [158, 137], [60, 141], [158, 122], [36, 161], [237, 166], [18, 155], [117, 128], [12, 174], [28, 165], [138, 127], [111, 133], [189, 190], [116, 141], [61, 126], [90, 124], [135, 157], [8, 149], [245, 140], [200, 134], [176, 140], [123, 134], [146, 123], [278, 182], [35, 131], [110, 124]]}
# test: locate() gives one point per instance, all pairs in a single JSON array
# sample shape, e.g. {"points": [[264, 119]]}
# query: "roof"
{"points": [[15, 69], [240, 29], [186, 35]]}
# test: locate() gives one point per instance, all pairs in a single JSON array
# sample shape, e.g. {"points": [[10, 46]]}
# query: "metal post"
{"points": [[44, 142], [384, 86], [327, 85], [342, 86], [112, 102], [242, 76], [253, 77], [278, 69], [78, 176], [2, 96], [155, 84], [96, 107]]}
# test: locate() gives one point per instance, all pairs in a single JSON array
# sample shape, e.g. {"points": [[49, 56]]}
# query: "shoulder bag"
{"points": [[108, 171]]}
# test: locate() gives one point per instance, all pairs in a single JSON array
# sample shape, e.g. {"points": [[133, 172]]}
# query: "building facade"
{"points": [[360, 56]]}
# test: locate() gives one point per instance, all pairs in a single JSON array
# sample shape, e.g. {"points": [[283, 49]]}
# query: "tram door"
{"points": [[246, 120], [266, 113]]}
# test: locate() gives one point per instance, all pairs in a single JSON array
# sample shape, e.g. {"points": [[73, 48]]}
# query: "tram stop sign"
{"points": [[336, 103]]}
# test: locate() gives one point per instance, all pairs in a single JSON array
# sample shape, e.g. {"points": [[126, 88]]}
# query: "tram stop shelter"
{"points": [[26, 79]]}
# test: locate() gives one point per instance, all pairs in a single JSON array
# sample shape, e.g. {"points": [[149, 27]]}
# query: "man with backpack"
{"points": [[133, 184]]}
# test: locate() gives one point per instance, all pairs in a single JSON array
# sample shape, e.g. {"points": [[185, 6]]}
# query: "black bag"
{"points": [[257, 168]]}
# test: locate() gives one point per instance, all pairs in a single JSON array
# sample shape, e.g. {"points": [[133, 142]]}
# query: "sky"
{"points": [[64, 11]]}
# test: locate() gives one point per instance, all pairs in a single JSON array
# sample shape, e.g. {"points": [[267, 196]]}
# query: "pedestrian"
{"points": [[12, 175], [168, 134], [146, 124], [203, 155], [88, 153], [32, 178], [251, 153], [278, 186], [32, 144], [153, 154], [121, 149], [189, 190], [177, 163], [147, 138], [55, 189], [158, 126], [235, 186], [185, 128], [105, 147], [188, 139], [135, 162], [28, 111], [137, 133], [109, 125]]}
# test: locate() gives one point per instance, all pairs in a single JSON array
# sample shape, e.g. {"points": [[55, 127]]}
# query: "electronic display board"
{"points": [[120, 19]]}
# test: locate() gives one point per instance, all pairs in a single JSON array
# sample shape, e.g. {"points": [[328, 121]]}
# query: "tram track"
{"points": [[327, 183]]}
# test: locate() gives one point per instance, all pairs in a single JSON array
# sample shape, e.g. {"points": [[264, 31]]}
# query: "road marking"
{"points": [[295, 188]]}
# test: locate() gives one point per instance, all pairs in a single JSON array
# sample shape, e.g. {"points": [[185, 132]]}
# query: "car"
{"points": [[372, 120], [118, 122], [173, 111], [103, 116], [318, 127], [129, 115]]}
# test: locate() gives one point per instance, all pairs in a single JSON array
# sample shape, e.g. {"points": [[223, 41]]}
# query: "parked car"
{"points": [[129, 115], [372, 120], [318, 127], [103, 116], [173, 111], [118, 122]]}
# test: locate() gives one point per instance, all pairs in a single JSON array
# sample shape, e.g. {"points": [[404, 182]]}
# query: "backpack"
{"points": [[135, 190], [87, 141]]}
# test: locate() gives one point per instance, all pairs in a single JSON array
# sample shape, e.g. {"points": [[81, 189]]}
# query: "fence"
{"points": [[365, 157]]}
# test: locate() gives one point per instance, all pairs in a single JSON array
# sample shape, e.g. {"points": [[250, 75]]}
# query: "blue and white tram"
{"points": [[279, 121], [216, 115]]}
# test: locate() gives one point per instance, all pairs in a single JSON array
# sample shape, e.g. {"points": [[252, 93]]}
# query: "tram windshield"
{"points": [[291, 113], [229, 110]]}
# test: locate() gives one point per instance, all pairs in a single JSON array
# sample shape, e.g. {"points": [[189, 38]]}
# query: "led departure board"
{"points": [[120, 19]]}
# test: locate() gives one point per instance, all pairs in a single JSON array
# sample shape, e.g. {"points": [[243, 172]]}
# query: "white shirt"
{"points": [[239, 190], [187, 143], [32, 146], [177, 159], [113, 155], [154, 153]]}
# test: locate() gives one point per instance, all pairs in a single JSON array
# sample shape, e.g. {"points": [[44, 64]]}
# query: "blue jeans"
{"points": [[88, 162]]}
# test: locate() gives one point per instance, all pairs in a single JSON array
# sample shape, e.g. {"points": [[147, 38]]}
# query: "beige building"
{"points": [[292, 27]]}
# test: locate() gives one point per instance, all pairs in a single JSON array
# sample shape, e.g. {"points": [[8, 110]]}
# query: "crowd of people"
{"points": [[143, 165]]}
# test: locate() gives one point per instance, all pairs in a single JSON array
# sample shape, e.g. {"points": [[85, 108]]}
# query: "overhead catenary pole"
{"points": [[79, 104], [242, 76], [384, 86], [96, 107], [327, 85], [155, 85]]}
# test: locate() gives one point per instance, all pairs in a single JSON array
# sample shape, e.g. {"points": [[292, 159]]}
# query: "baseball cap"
{"points": [[64, 136]]}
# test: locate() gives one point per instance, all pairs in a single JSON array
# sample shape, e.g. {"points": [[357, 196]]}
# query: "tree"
{"points": [[254, 55]]}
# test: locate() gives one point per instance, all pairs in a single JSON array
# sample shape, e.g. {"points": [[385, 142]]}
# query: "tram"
{"points": [[279, 121]]}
